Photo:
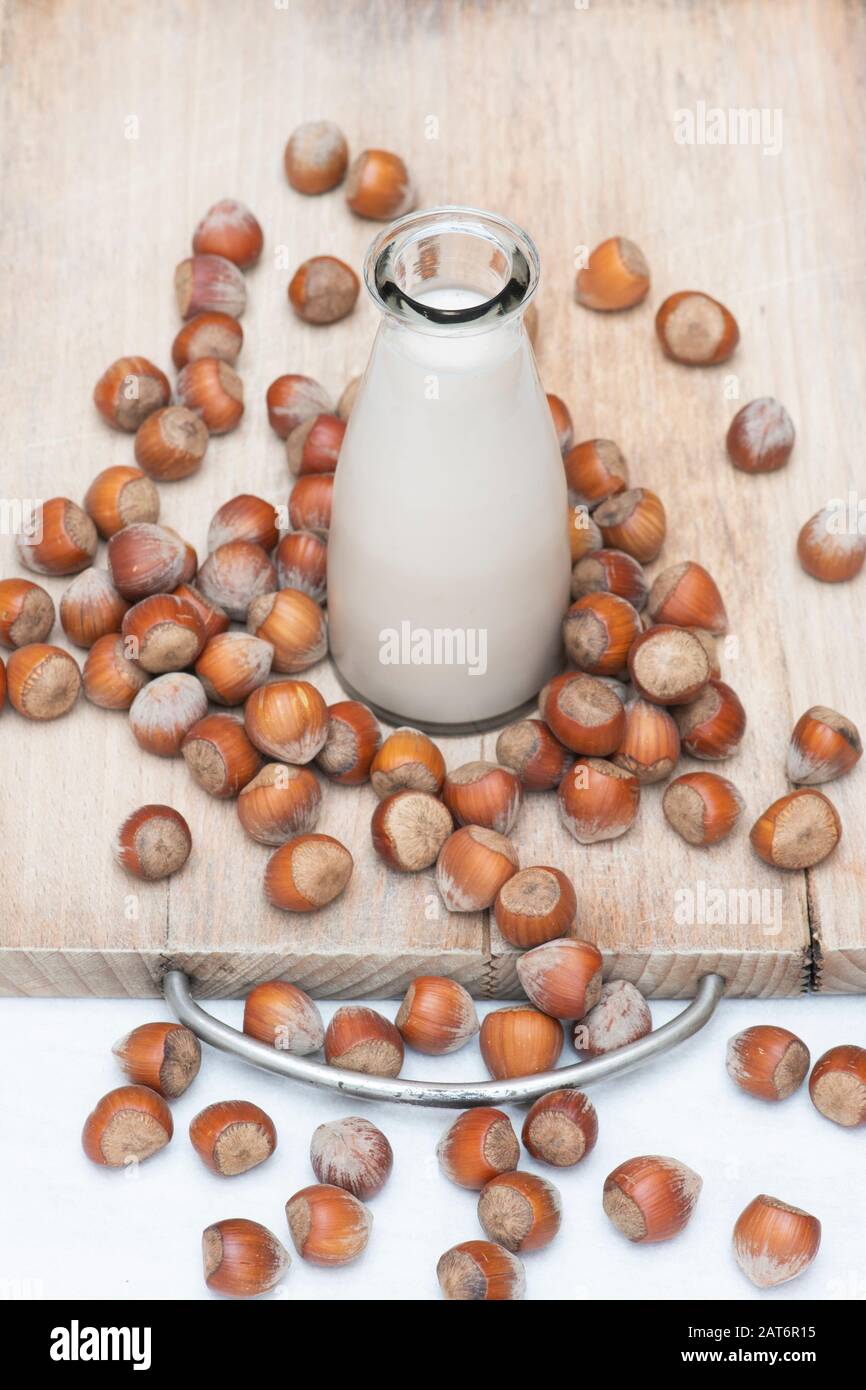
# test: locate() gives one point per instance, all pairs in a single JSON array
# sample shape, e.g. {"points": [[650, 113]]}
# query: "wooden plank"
{"points": [[571, 134]]}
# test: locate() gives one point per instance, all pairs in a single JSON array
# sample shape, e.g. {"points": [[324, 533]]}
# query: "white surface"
{"points": [[71, 1230]]}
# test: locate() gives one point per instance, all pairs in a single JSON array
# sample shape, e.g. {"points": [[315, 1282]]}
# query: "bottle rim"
{"points": [[409, 252]]}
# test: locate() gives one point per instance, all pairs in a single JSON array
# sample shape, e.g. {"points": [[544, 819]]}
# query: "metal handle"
{"points": [[455, 1095]]}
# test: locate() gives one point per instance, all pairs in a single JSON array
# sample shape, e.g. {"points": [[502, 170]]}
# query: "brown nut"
{"points": [[561, 1128], [302, 563], [233, 665], [535, 905], [702, 807], [409, 830], [170, 445], [209, 284], [144, 559], [621, 1016], [232, 1136], [242, 1258], [287, 720], [633, 521], [830, 549], [210, 388], [152, 843], [472, 866], [307, 873], [229, 229], [293, 624], [480, 1270], [128, 1125], [316, 157], [283, 1016], [695, 329], [562, 978], [824, 745], [583, 713], [598, 631], [360, 1039], [521, 1211], [594, 470], [479, 1144], [119, 496], [234, 575], [712, 726], [208, 335], [598, 800], [110, 679], [91, 608], [378, 186], [761, 436], [292, 399], [651, 742], [26, 613], [687, 596], [130, 390], [616, 276], [797, 831], [407, 759], [353, 740], [530, 749], [651, 1198], [323, 290], [610, 572], [164, 1056], [767, 1061], [164, 711], [519, 1041], [480, 793], [328, 1225], [63, 539], [668, 665], [352, 1154], [219, 755], [163, 633], [437, 1015], [42, 682], [310, 503], [837, 1085], [774, 1242], [280, 802], [314, 445]]}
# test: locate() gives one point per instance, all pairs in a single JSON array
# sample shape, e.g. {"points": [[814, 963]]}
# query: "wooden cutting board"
{"points": [[122, 124]]}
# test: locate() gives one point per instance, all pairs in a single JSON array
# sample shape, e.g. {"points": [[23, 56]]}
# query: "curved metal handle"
{"points": [[454, 1095]]}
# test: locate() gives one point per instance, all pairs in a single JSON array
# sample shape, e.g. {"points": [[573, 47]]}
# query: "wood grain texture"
{"points": [[568, 129]]}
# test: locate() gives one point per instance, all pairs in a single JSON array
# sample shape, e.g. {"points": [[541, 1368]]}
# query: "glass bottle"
{"points": [[448, 555]]}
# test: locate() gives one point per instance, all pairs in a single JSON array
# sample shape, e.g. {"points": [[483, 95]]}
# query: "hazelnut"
{"points": [[477, 1146], [360, 1039], [328, 1225], [437, 1015], [219, 755], [530, 749], [292, 399], [214, 620], [598, 631], [234, 574], [288, 720], [302, 563], [323, 290], [829, 553], [63, 542], [144, 559], [152, 843], [686, 596], [126, 1126], [283, 1016], [353, 740], [164, 1056], [208, 335], [520, 1211], [712, 726], [620, 1016], [561, 1128], [651, 743], [91, 608], [610, 572], [310, 503], [119, 496], [26, 613], [407, 759], [170, 444], [519, 1041], [767, 1062], [710, 646], [307, 873], [562, 978], [409, 830], [242, 1258], [163, 632], [562, 424], [774, 1242], [583, 535], [213, 390], [837, 1085], [761, 436], [278, 803], [110, 679], [824, 745], [316, 157], [229, 229], [696, 330], [43, 682], [314, 445], [209, 284], [232, 1136], [598, 800], [668, 665], [616, 276], [472, 866], [130, 390], [480, 1270], [583, 713], [702, 807], [294, 624], [352, 1154], [535, 905], [651, 1198], [164, 711], [480, 793], [244, 518], [594, 470], [233, 665], [378, 186], [633, 521]]}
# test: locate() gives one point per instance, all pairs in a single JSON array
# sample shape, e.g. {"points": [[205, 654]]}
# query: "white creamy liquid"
{"points": [[448, 558]]}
